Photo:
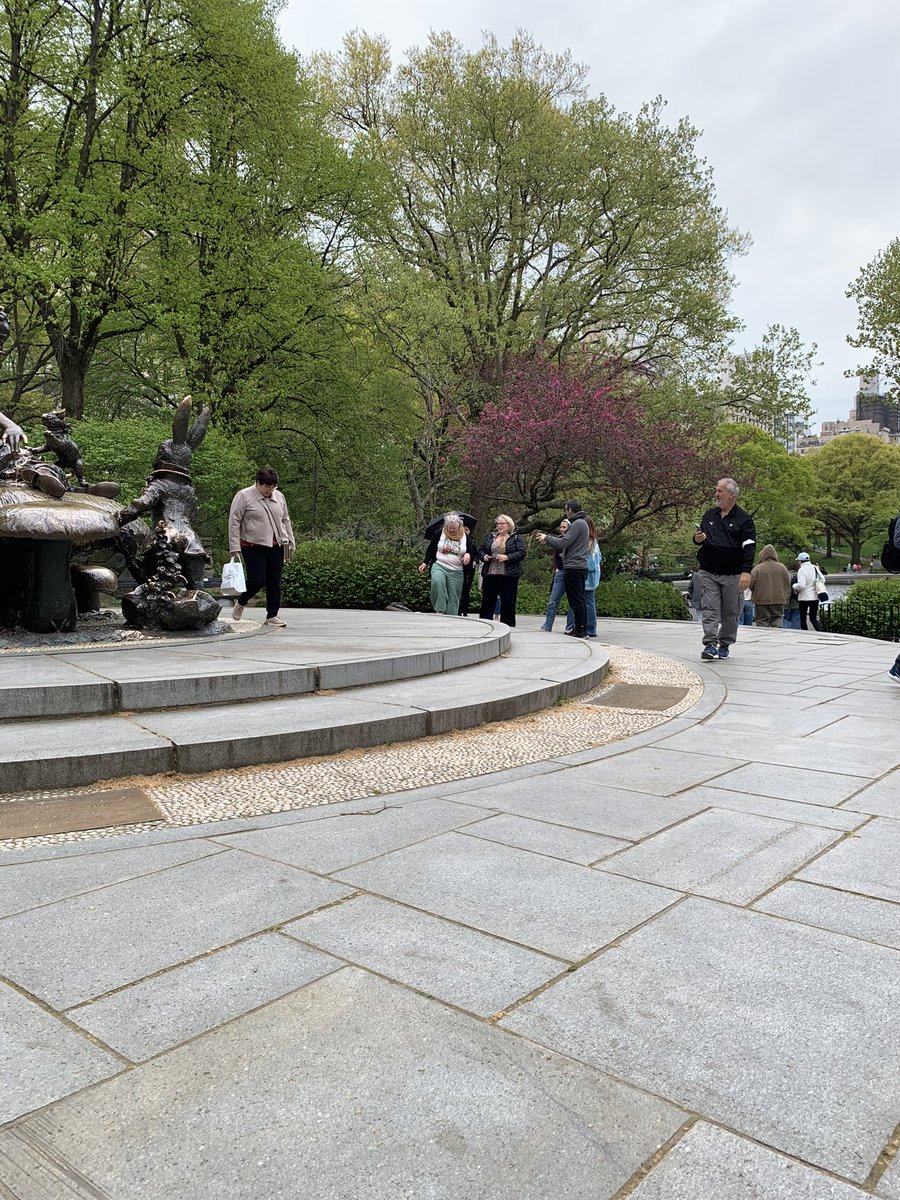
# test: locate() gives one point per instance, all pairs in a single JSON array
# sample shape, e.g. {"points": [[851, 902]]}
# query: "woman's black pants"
{"points": [[808, 608], [504, 586], [264, 566]]}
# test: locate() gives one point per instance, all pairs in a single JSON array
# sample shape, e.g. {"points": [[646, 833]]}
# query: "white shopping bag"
{"points": [[233, 581]]}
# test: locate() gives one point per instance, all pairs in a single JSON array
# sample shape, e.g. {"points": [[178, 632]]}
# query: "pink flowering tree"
{"points": [[586, 427]]}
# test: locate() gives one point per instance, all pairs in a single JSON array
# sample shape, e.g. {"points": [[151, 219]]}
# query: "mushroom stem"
{"points": [[44, 584]]}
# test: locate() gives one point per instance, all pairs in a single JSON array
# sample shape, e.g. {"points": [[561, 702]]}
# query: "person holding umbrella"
{"points": [[447, 554]]}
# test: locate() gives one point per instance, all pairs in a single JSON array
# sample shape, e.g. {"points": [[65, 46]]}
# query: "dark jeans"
{"points": [[264, 566], [808, 608], [502, 587], [575, 581], [465, 594]]}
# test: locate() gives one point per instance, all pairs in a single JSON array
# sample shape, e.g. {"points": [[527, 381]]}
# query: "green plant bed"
{"points": [[643, 598], [347, 574], [870, 609], [616, 597]]}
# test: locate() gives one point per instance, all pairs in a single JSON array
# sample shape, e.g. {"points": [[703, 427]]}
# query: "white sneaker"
{"points": [[237, 612], [276, 621]]}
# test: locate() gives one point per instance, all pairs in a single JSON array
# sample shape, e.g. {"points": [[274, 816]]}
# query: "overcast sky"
{"points": [[797, 101]]}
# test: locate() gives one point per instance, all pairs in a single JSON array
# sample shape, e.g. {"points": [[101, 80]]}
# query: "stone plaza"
{"points": [[637, 937]]}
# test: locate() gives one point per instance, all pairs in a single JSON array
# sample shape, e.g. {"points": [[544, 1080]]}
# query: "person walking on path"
{"points": [[557, 585], [894, 672], [573, 547], [259, 528], [791, 619], [503, 553], [810, 581], [595, 558], [448, 552], [726, 537], [770, 581]]}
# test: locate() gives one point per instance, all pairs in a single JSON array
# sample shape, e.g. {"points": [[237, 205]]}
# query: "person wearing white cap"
{"points": [[810, 581]]}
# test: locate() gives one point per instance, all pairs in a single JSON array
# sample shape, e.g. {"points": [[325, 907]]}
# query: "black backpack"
{"points": [[890, 555]]}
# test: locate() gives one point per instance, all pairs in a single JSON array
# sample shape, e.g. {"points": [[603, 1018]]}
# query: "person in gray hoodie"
{"points": [[573, 546]]}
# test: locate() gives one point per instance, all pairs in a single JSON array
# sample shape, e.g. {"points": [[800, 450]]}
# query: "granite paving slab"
{"points": [[31, 885], [843, 912], [340, 841], [461, 966], [792, 783], [882, 799], [867, 731], [712, 1164], [372, 1086], [785, 1033], [78, 751], [573, 797], [735, 722], [122, 841], [41, 1059], [867, 862], [558, 841], [869, 761], [661, 772], [224, 735], [155, 1015], [782, 810], [721, 854], [75, 949], [540, 902], [46, 687]]}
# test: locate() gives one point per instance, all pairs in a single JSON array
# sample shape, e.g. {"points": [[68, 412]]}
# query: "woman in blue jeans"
{"points": [[557, 587], [590, 586]]}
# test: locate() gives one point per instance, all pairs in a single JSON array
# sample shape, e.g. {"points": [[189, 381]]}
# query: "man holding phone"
{"points": [[726, 537]]}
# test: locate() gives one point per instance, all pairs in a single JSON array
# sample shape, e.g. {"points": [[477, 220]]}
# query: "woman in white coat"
{"points": [[810, 581]]}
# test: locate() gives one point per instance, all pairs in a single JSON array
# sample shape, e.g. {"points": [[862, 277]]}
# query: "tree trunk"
{"points": [[73, 365]]}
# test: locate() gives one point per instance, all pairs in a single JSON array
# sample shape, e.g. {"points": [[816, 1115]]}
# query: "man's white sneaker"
{"points": [[276, 621], [237, 612]]}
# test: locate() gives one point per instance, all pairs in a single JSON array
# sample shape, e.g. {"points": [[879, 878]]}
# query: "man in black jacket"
{"points": [[727, 540], [573, 546]]}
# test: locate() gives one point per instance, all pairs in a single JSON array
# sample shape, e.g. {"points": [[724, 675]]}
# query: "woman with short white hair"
{"points": [[447, 553]]}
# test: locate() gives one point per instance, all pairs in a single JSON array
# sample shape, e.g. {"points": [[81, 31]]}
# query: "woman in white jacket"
{"points": [[810, 581]]}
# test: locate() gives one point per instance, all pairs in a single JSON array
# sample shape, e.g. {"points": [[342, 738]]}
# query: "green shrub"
{"points": [[616, 597], [346, 574], [870, 609], [621, 596]]}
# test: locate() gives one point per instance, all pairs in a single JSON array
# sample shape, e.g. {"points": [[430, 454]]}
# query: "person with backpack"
{"points": [[810, 582]]}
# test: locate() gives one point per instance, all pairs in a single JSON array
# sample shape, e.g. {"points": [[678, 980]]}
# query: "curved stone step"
{"points": [[56, 753], [320, 650]]}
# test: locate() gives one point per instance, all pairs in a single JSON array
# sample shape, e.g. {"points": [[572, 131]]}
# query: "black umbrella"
{"points": [[436, 524]]}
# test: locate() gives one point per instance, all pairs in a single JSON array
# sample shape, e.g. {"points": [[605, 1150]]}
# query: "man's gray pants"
{"points": [[720, 600]]}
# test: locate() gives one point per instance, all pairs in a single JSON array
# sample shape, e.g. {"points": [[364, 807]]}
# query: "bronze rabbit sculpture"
{"points": [[170, 498]]}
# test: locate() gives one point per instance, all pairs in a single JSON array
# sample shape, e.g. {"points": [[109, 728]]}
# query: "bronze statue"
{"points": [[170, 498], [58, 440]]}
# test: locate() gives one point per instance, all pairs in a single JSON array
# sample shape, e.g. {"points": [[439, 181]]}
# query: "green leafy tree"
{"points": [[856, 487], [123, 451], [775, 486], [86, 94], [876, 291], [525, 210], [770, 384]]}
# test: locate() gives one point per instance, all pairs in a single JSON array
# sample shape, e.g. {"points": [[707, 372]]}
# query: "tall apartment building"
{"points": [[872, 414]]}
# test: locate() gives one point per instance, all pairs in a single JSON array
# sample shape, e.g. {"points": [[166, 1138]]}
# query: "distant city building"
{"points": [[872, 414]]}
